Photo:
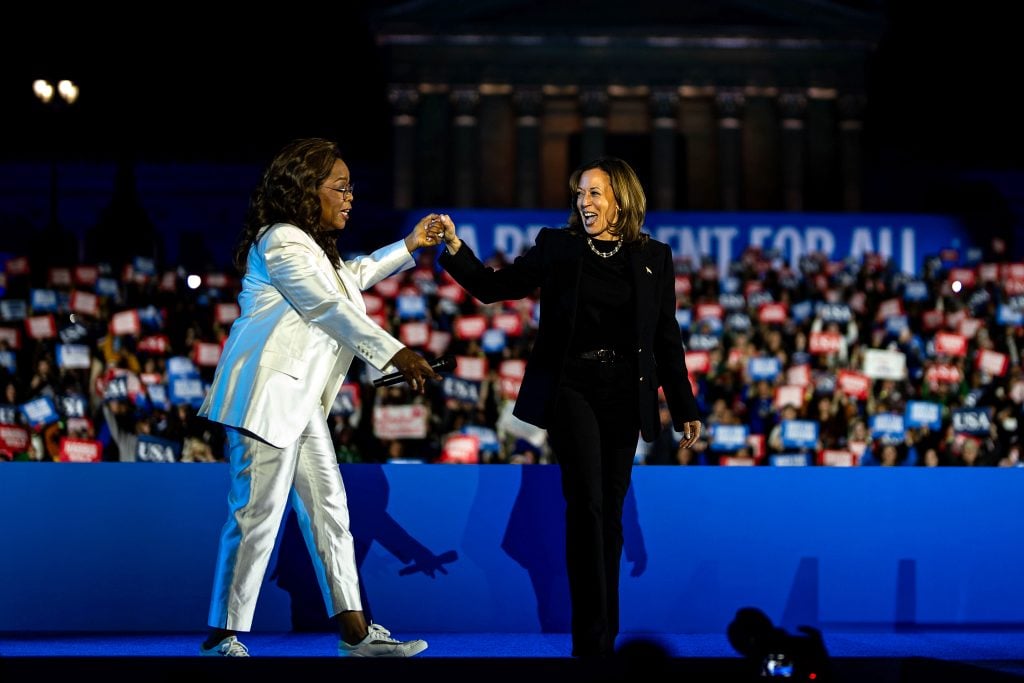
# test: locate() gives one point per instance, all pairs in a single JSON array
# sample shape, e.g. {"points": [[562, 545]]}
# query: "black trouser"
{"points": [[593, 435]]}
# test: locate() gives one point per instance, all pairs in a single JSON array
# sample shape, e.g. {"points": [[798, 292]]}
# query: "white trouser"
{"points": [[262, 479]]}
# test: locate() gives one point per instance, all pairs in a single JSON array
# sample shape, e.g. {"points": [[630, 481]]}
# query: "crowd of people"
{"points": [[828, 363]]}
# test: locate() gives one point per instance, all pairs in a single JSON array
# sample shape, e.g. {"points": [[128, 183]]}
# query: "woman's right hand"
{"points": [[415, 369]]}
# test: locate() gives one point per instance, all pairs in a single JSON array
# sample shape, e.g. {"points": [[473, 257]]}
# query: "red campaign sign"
{"points": [[11, 337], [773, 313], [473, 368], [964, 276], [509, 323], [452, 292], [207, 354], [942, 373], [216, 280], [890, 308], [400, 421], [374, 303], [799, 375], [735, 358], [353, 392], [825, 343], [836, 458], [438, 342], [125, 322], [415, 334], [933, 320], [1011, 271], [158, 344], [511, 373], [80, 450], [86, 275], [683, 285], [226, 313], [992, 362], [388, 287], [757, 446], [789, 395], [988, 272], [947, 344], [751, 287], [169, 282], [41, 327], [954, 319], [698, 362], [59, 277], [18, 266], [470, 326], [81, 427], [13, 439], [85, 302], [735, 461], [1013, 287], [461, 449], [150, 378], [708, 311], [853, 384]]}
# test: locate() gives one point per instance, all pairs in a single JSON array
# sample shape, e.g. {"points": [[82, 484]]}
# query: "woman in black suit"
{"points": [[607, 339]]}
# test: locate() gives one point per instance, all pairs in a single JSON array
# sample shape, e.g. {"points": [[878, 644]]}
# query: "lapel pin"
{"points": [[648, 269]]}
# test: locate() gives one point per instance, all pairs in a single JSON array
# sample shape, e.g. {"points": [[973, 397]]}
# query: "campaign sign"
{"points": [[85, 302], [916, 290], [400, 421], [188, 390], [226, 313], [153, 449], [44, 300], [799, 433], [800, 311], [13, 440], [460, 449], [180, 366], [790, 460], [697, 362], [9, 414], [59, 277], [72, 405], [470, 326], [738, 322], [825, 343], [976, 421], [74, 332], [80, 450], [41, 326], [158, 398], [13, 309], [922, 414], [11, 337], [411, 307], [509, 323], [728, 437], [438, 342], [887, 427], [684, 316], [493, 341], [732, 302], [471, 367], [767, 368], [1008, 316], [39, 412], [107, 286], [992, 362], [837, 458], [461, 390], [9, 362], [486, 436], [74, 356], [885, 364], [415, 334], [788, 395], [702, 342]]}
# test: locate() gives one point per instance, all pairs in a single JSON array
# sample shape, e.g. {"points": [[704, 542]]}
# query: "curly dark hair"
{"points": [[289, 193]]}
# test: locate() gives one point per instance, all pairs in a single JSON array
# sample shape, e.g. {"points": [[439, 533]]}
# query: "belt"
{"points": [[601, 355]]}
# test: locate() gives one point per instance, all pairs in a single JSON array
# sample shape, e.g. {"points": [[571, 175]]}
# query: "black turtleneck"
{"points": [[605, 317]]}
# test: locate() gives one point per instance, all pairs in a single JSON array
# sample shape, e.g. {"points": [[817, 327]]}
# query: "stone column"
{"points": [[497, 146], [851, 117], [729, 105], [664, 133], [528, 103], [433, 156], [465, 146], [791, 114], [700, 137], [760, 153], [822, 184], [403, 126], [594, 111]]}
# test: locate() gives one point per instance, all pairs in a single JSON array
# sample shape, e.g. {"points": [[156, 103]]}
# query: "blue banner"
{"points": [[728, 437], [152, 449], [922, 414], [790, 460], [887, 427], [906, 239], [44, 301], [976, 421], [767, 367], [799, 433], [39, 412]]}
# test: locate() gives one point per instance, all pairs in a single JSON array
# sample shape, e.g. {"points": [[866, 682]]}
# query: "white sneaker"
{"points": [[379, 643], [229, 647]]}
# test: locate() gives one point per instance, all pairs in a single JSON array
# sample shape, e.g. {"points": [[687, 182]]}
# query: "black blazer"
{"points": [[554, 265]]}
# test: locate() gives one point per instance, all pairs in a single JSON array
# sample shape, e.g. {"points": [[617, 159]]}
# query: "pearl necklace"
{"points": [[604, 254]]}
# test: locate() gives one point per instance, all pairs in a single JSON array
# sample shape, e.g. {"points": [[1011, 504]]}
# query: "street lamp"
{"points": [[67, 93]]}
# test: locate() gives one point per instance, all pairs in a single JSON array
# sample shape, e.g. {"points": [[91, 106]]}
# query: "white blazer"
{"points": [[302, 322]]}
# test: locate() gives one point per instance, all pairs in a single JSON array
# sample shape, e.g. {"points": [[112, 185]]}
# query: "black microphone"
{"points": [[442, 364]]}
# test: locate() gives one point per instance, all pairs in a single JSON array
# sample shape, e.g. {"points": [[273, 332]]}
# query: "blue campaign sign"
{"points": [[887, 427], [738, 322], [728, 437], [73, 333], [462, 390], [975, 421], [144, 265], [790, 460], [153, 449], [916, 290], [764, 368], [702, 342], [13, 309], [833, 313], [922, 414], [411, 307], [158, 398], [906, 239], [39, 412], [1009, 316], [9, 361], [800, 311], [684, 316], [493, 340], [73, 405], [732, 302], [486, 436], [799, 433], [44, 301], [181, 366], [186, 390], [107, 286], [9, 414]]}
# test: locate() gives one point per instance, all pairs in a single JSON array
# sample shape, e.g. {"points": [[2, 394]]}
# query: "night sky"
{"points": [[185, 87]]}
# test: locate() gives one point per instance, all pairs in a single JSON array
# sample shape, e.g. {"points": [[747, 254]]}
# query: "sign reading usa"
{"points": [[905, 239]]}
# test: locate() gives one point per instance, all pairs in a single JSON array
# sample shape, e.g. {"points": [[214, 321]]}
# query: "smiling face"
{"points": [[336, 197], [596, 204]]}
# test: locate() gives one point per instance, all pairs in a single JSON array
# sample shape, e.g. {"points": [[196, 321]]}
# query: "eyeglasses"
{"points": [[348, 189]]}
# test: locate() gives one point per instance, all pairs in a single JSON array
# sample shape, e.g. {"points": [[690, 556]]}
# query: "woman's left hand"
{"points": [[691, 432], [429, 232]]}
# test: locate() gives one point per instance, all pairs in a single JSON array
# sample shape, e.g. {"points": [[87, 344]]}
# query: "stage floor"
{"points": [[976, 656]]}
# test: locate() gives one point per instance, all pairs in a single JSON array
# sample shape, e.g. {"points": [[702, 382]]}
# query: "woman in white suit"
{"points": [[302, 322]]}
